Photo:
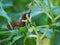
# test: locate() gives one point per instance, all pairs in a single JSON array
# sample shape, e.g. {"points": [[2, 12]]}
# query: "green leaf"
{"points": [[40, 19], [4, 14], [56, 10], [30, 41], [6, 39], [57, 24], [13, 32], [16, 38], [56, 3], [23, 29]]}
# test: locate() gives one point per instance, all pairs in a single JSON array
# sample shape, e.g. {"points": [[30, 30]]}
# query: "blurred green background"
{"points": [[12, 10]]}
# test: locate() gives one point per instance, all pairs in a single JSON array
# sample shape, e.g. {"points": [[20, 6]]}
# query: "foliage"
{"points": [[45, 19]]}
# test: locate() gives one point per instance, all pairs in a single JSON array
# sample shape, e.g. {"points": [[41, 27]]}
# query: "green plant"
{"points": [[42, 28]]}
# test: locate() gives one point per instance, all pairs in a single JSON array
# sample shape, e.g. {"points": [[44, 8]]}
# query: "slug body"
{"points": [[19, 23]]}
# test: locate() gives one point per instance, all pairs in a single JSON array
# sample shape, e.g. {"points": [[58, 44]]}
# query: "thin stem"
{"points": [[30, 6], [10, 25], [25, 39], [57, 18], [41, 5], [34, 36], [43, 26], [49, 16], [50, 10], [38, 36], [44, 33]]}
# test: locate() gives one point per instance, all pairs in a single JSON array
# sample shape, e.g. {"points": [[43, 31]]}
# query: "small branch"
{"points": [[37, 34], [44, 33], [10, 25], [25, 39], [41, 5], [43, 26], [57, 18], [49, 16], [34, 36]]}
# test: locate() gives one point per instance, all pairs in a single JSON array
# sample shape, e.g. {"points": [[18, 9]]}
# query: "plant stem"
{"points": [[40, 5], [44, 33], [10, 25], [57, 18], [38, 36]]}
